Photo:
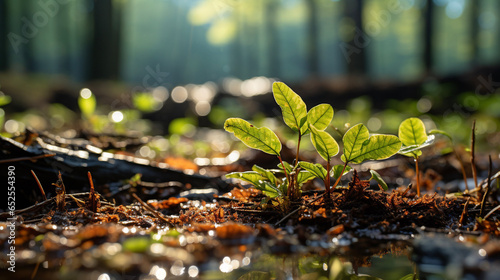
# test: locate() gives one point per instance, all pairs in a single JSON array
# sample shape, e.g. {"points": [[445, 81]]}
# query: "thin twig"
{"points": [[34, 207], [26, 158], [287, 216], [485, 181], [462, 167], [407, 189], [464, 212], [485, 197], [491, 212], [39, 185], [79, 202], [472, 152], [35, 270], [155, 213]]}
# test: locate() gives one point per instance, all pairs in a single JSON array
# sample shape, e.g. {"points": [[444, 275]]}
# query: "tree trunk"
{"points": [[357, 49], [65, 44], [4, 64], [312, 38], [428, 36], [105, 49], [474, 32], [272, 38], [28, 49]]}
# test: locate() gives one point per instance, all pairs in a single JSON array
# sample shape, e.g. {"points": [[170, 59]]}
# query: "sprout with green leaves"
{"points": [[413, 136], [327, 148], [358, 147], [295, 116]]}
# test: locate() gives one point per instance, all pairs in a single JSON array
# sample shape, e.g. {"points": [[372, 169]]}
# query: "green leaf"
{"points": [[288, 167], [378, 147], [353, 140], [258, 181], [293, 108], [415, 150], [304, 177], [320, 117], [442, 132], [317, 169], [336, 169], [270, 190], [360, 146], [262, 138], [252, 177], [266, 174], [324, 143], [379, 179], [412, 132]]}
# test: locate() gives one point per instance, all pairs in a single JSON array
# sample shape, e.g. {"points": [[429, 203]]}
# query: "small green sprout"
{"points": [[378, 178], [413, 136], [295, 116], [87, 103], [359, 146]]}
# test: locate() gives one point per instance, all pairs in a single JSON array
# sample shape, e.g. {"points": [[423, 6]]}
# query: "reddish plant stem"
{"points": [[92, 196], [418, 176], [156, 213], [327, 180], [464, 213], [298, 147], [288, 191], [296, 164], [39, 185], [338, 179], [26, 158]]}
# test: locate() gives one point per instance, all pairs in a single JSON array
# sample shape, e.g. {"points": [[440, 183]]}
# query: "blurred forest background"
{"points": [[172, 66]]}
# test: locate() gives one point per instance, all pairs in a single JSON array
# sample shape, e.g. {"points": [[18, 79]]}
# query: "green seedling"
{"points": [[413, 136], [327, 148], [358, 147], [296, 117]]}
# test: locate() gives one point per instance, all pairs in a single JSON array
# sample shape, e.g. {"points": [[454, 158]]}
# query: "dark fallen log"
{"points": [[74, 165]]}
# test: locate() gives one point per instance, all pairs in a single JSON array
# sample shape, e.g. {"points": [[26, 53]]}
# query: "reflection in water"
{"points": [[131, 252]]}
